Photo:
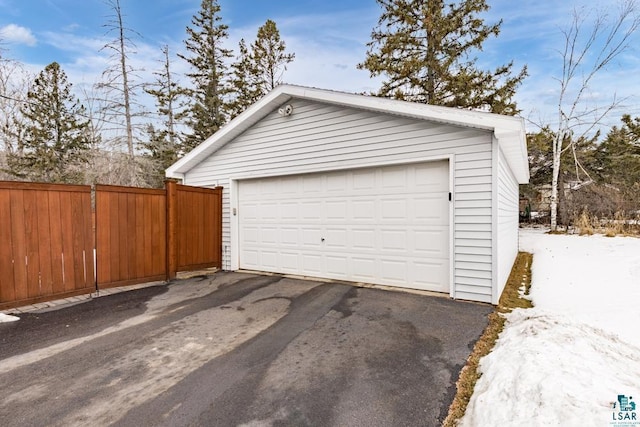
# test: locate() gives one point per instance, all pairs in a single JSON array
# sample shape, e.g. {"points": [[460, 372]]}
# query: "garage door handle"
{"points": [[322, 239]]}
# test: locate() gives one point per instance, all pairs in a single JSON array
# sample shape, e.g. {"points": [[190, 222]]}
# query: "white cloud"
{"points": [[13, 33]]}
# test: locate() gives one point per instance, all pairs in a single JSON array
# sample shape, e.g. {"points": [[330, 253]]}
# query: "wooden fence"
{"points": [[47, 239], [46, 242]]}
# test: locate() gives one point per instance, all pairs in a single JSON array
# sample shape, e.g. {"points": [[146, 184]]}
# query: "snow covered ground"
{"points": [[566, 361], [7, 318]]}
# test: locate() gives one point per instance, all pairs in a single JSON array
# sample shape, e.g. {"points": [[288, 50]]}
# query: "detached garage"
{"points": [[364, 189]]}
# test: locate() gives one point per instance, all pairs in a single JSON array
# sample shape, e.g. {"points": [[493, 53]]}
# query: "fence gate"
{"points": [[46, 242], [195, 227], [130, 235]]}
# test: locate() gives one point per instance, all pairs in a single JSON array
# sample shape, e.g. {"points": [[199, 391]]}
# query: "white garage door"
{"points": [[386, 225]]}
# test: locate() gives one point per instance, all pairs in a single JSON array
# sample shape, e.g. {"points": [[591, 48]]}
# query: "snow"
{"points": [[7, 318], [565, 361]]}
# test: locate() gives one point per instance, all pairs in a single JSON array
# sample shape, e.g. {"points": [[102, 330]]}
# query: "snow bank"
{"points": [[549, 370], [7, 318], [565, 361]]}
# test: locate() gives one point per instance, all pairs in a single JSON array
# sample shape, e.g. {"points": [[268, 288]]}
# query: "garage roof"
{"points": [[509, 131]]}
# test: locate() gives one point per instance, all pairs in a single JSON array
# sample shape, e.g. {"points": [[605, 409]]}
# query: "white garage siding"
{"points": [[472, 226], [506, 223], [323, 137]]}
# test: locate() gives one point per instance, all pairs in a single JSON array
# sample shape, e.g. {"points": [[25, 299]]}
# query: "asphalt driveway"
{"points": [[239, 349]]}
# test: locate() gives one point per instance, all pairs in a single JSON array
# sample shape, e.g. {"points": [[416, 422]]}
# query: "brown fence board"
{"points": [[55, 227], [7, 283], [89, 240], [44, 236], [139, 227], [68, 276], [32, 260], [18, 243]]}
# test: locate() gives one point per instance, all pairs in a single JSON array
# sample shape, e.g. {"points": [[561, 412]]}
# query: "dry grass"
{"points": [[584, 224], [615, 227], [622, 224], [510, 299]]}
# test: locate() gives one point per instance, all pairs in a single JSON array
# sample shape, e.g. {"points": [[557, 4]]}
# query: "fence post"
{"points": [[172, 260]]}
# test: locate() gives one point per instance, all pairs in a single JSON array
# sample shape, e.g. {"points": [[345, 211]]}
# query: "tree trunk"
{"points": [[125, 80], [563, 219], [557, 151]]}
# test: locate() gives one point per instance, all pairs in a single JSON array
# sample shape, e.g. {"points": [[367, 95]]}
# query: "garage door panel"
{"points": [[311, 237], [312, 184], [250, 235], [429, 275], [394, 177], [393, 209], [289, 211], [431, 209], [364, 180], [363, 268], [289, 236], [311, 211], [337, 266], [312, 263], [289, 262], [251, 188], [434, 240], [336, 238], [336, 210], [363, 239], [268, 212], [386, 225], [394, 240], [250, 212], [269, 259], [287, 186], [250, 258], [337, 183], [394, 272], [363, 210], [269, 235]]}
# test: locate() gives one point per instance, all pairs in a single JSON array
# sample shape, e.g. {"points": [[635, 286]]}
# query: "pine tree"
{"points": [[54, 144], [159, 154], [259, 68], [269, 56], [163, 146], [425, 50], [209, 73], [618, 157], [244, 84]]}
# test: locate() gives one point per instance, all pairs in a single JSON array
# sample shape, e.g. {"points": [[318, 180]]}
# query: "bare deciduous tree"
{"points": [[15, 83], [118, 80], [585, 54]]}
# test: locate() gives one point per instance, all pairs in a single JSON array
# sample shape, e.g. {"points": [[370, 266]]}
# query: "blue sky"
{"points": [[328, 37]]}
